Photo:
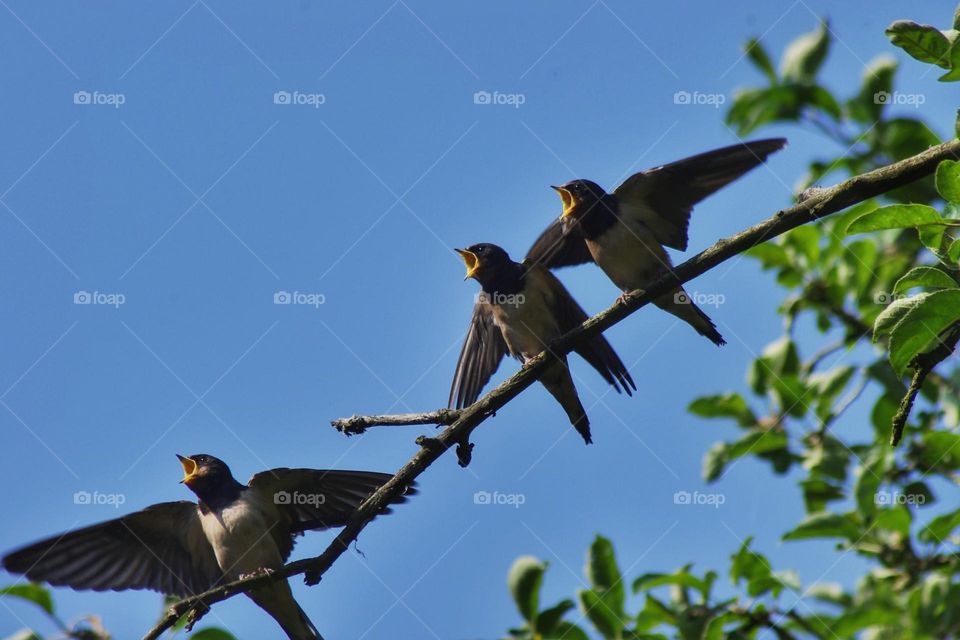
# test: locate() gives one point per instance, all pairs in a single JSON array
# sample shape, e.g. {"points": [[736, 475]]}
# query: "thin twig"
{"points": [[925, 363], [823, 203], [358, 424]]}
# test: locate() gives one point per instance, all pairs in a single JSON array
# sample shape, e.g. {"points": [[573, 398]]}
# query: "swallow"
{"points": [[626, 232], [521, 309], [184, 548]]}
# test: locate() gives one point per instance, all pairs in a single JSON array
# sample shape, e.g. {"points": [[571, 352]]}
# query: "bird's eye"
{"points": [[479, 249]]}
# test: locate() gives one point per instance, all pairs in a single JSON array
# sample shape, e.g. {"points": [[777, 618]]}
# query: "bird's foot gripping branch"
{"points": [[459, 425]]}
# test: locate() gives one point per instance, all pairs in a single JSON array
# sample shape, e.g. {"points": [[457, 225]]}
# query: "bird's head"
{"points": [[203, 473], [578, 197], [484, 261]]}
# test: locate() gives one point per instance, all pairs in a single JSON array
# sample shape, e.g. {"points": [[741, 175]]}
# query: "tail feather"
{"points": [[682, 306], [559, 383], [277, 600]]}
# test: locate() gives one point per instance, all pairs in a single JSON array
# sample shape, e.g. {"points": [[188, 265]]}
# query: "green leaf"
{"points": [[929, 277], [781, 356], [654, 613], [770, 255], [953, 253], [940, 450], [919, 493], [939, 528], [793, 397], [681, 579], [728, 405], [931, 236], [954, 74], [896, 519], [212, 633], [921, 41], [948, 179], [825, 525], [828, 458], [827, 386], [715, 628], [829, 592], [895, 216], [761, 60], [524, 580], [757, 441], [748, 565], [894, 313], [566, 631], [868, 482], [755, 107], [817, 492], [803, 57], [877, 81], [604, 575], [549, 619], [30, 592], [714, 461], [595, 608], [920, 328]]}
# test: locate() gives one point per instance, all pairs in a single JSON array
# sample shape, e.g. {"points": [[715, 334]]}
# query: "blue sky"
{"points": [[177, 185]]}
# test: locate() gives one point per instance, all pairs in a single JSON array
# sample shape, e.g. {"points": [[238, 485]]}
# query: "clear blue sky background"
{"points": [[361, 200]]}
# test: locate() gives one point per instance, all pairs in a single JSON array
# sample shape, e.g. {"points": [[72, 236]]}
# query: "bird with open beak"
{"points": [[185, 548], [521, 309], [626, 232]]}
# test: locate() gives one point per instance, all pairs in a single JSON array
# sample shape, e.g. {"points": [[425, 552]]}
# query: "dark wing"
{"points": [[570, 315], [315, 499], [663, 197], [161, 548], [559, 248], [482, 351]]}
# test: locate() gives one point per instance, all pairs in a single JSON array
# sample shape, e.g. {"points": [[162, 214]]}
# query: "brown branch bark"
{"points": [[818, 205], [359, 424], [925, 363]]}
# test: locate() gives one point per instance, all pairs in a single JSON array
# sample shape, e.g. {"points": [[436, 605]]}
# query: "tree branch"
{"points": [[359, 424], [924, 365], [822, 203]]}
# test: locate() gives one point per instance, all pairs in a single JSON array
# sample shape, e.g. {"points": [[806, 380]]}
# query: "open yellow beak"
{"points": [[568, 201], [189, 468], [470, 259]]}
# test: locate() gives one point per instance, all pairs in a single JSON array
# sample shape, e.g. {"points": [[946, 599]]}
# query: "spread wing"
{"points": [[570, 315], [482, 351], [557, 247], [663, 197], [161, 548], [315, 499]]}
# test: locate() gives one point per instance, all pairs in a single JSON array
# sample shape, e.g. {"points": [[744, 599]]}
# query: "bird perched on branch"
{"points": [[184, 548], [625, 232], [520, 310]]}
